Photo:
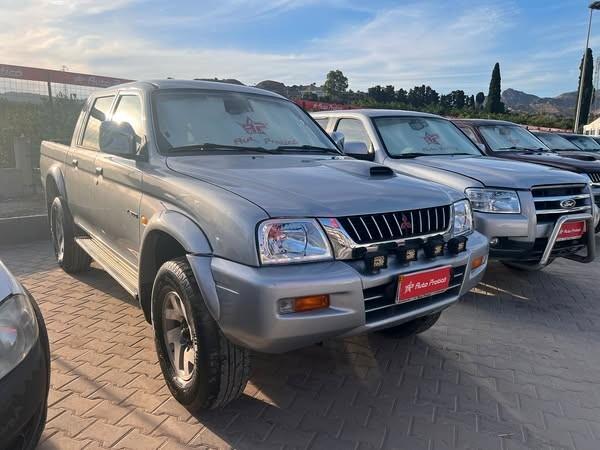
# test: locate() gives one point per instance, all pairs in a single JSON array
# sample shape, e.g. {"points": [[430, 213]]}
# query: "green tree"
{"points": [[401, 96], [494, 102], [479, 99], [336, 84], [588, 88]]}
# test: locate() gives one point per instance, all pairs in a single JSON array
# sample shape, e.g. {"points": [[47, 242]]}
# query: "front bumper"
{"points": [[24, 395], [522, 239], [244, 300]]}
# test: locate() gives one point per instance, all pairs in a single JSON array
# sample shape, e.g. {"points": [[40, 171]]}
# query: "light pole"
{"points": [[594, 5]]}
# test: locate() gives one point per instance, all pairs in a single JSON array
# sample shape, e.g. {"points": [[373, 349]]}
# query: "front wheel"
{"points": [[413, 327], [201, 367]]}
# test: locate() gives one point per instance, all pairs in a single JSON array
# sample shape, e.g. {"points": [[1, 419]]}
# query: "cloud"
{"points": [[420, 42]]}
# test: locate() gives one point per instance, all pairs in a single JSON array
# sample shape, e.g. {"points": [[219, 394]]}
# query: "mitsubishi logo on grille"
{"points": [[405, 225], [568, 204]]}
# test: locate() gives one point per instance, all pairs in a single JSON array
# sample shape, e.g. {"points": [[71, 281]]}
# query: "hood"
{"points": [[555, 160], [500, 173], [580, 155], [311, 186]]}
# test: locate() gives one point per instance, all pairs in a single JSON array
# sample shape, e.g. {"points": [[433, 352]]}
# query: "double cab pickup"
{"points": [[239, 225], [531, 214]]}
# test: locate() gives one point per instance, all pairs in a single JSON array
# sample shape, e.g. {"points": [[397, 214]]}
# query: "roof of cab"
{"points": [[480, 122], [372, 113], [151, 85]]}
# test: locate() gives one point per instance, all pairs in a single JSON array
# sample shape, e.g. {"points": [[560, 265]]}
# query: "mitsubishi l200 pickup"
{"points": [[530, 214], [239, 225]]}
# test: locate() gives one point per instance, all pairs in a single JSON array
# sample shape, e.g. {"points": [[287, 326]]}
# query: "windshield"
{"points": [[510, 137], [422, 136], [198, 120], [584, 143], [555, 141]]}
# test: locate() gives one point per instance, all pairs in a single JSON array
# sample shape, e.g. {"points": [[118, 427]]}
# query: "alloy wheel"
{"points": [[178, 338]]}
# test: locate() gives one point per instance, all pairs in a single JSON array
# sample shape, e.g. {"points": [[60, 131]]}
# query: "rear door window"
{"points": [[354, 131]]}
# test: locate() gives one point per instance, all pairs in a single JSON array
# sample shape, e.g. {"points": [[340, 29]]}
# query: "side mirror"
{"points": [[117, 138], [358, 150], [338, 138]]}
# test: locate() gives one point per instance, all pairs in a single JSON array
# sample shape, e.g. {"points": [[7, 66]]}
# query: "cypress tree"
{"points": [[588, 87], [494, 103]]}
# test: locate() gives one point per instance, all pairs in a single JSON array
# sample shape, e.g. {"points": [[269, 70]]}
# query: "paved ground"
{"points": [[514, 366]]}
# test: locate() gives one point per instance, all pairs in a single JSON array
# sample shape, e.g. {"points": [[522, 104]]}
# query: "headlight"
{"points": [[282, 241], [463, 218], [18, 331], [494, 200]]}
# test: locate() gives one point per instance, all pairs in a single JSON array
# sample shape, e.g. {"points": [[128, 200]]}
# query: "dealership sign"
{"points": [[57, 76]]}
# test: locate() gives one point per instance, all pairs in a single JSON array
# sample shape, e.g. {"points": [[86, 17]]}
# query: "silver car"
{"points": [[237, 224], [531, 214]]}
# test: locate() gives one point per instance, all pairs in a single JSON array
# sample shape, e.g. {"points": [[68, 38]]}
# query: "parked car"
{"points": [[509, 140], [238, 224], [582, 142], [567, 145], [528, 212], [24, 366]]}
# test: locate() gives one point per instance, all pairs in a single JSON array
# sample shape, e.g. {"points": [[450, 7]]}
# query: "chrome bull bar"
{"points": [[591, 240]]}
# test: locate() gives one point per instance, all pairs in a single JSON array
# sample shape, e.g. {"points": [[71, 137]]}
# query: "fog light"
{"points": [[376, 261], [494, 242], [303, 304], [477, 262], [408, 252], [457, 245], [434, 247]]}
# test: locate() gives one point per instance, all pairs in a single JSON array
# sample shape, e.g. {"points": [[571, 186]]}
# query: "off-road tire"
{"points": [[413, 327], [72, 258], [221, 369]]}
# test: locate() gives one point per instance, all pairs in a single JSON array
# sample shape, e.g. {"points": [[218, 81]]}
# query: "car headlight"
{"points": [[18, 331], [284, 241], [463, 218], [494, 200]]}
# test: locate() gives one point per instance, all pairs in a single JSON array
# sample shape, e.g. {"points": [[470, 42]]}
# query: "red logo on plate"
{"points": [[572, 230], [423, 284]]}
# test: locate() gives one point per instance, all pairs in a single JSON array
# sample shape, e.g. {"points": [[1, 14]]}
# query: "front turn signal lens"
{"points": [[477, 262], [303, 304]]}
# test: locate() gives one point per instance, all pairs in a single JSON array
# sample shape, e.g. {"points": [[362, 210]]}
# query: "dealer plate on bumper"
{"points": [[423, 284], [571, 230]]}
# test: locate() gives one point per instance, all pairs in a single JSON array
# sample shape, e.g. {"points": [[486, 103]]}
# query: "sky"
{"points": [[446, 44]]}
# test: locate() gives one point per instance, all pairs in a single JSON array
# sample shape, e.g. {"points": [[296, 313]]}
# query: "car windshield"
{"points": [[422, 136], [198, 120], [555, 141], [584, 143], [510, 137]]}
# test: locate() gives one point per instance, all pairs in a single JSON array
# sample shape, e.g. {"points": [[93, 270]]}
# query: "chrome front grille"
{"points": [[595, 176], [559, 200], [372, 228], [380, 301]]}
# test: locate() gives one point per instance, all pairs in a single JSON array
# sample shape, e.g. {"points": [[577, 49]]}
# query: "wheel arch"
{"points": [[168, 235], [54, 185]]}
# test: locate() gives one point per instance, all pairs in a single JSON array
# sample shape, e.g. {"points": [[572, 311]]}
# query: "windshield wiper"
{"points": [[417, 154], [209, 146], [308, 148], [523, 149]]}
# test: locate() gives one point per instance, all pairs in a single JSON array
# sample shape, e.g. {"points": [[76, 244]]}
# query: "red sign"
{"points": [[423, 284], [572, 230], [311, 105], [57, 76]]}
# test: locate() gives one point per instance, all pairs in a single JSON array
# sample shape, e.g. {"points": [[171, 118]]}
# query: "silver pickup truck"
{"points": [[238, 224], [531, 214]]}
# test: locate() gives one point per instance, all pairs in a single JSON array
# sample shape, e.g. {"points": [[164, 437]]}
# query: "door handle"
{"points": [[75, 163], [99, 171]]}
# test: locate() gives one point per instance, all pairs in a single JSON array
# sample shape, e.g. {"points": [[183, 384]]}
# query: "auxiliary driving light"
{"points": [[376, 261], [457, 245], [434, 247], [408, 252], [303, 304]]}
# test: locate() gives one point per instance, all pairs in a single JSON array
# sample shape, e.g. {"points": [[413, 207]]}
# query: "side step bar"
{"points": [[116, 267]]}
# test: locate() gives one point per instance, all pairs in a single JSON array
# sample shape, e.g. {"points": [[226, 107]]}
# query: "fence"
{"points": [[41, 104]]}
